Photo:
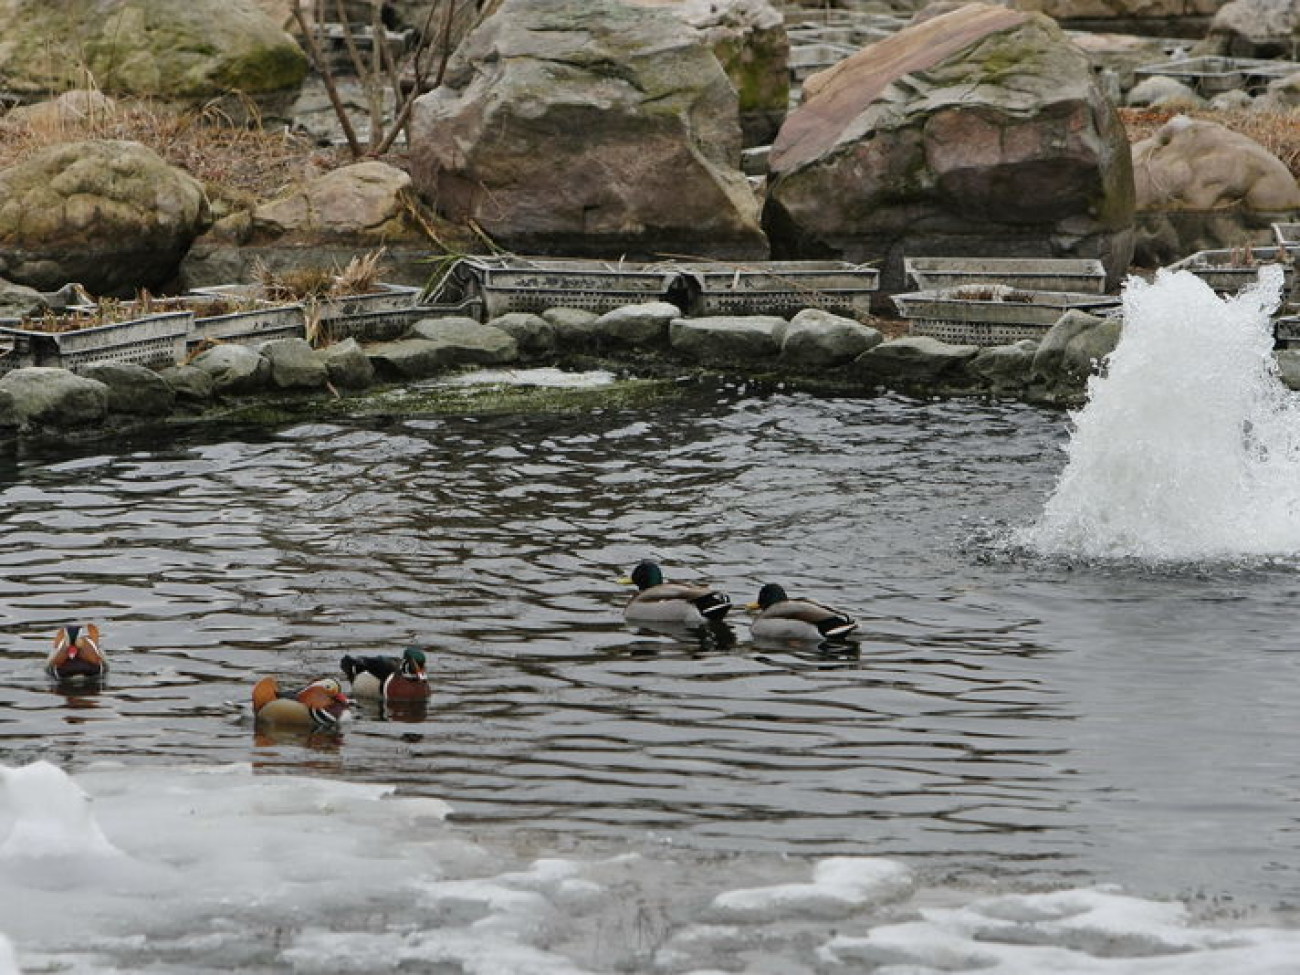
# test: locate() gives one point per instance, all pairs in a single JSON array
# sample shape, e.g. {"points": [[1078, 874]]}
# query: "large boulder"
{"points": [[979, 131], [1202, 186], [112, 215], [1255, 29], [591, 128], [224, 52], [749, 39]]}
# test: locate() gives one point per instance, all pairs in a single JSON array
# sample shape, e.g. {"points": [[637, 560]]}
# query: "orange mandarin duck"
{"points": [[76, 654], [320, 705], [389, 678]]}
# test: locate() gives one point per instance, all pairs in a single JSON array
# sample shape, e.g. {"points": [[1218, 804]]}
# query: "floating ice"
{"points": [[841, 887], [204, 871], [1189, 445]]}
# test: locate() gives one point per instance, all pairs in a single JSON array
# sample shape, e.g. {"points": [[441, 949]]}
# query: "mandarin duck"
{"points": [[782, 618], [390, 678], [659, 601], [321, 705], [76, 653]]}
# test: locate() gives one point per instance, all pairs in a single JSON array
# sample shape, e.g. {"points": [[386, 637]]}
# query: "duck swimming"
{"points": [[659, 601], [76, 653], [319, 705], [782, 618], [391, 678]]}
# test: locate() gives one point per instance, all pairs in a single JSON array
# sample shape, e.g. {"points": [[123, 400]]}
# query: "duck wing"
{"points": [[381, 668], [711, 603], [829, 622]]}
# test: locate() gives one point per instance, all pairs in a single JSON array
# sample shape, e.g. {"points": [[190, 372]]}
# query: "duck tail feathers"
{"points": [[265, 691], [713, 606], [837, 626]]}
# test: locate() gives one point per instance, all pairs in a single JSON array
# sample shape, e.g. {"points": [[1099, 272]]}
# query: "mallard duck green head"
{"points": [[769, 595], [646, 574]]}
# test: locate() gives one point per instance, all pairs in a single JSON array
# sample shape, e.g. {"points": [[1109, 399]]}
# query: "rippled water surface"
{"points": [[1008, 719]]}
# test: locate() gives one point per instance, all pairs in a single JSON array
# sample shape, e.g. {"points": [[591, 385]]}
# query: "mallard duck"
{"points": [[671, 602], [391, 678], [321, 704], [76, 653], [782, 618]]}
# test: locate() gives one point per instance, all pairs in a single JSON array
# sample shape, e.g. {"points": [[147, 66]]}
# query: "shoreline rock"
{"points": [[814, 351]]}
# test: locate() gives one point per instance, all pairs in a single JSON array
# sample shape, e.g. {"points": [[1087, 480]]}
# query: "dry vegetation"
{"points": [[232, 160]]}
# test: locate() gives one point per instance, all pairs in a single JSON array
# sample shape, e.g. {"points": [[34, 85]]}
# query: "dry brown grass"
{"points": [[1278, 132], [363, 275], [235, 160]]}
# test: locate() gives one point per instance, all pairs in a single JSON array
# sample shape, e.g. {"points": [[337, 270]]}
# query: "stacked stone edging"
{"points": [[814, 348]]}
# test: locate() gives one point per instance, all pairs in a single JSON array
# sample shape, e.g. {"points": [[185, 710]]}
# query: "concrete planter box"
{"points": [[1231, 269], [992, 314], [1081, 276], [368, 317], [498, 285], [151, 340]]}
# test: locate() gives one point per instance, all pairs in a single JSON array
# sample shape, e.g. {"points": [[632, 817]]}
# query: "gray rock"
{"points": [[1255, 29], [1163, 91], [42, 396], [234, 368], [1235, 100], [915, 359], [20, 301], [532, 333], [1282, 95], [192, 385], [347, 365], [1004, 369], [439, 344], [406, 359], [294, 364], [467, 342], [574, 327], [727, 340], [368, 200], [819, 339], [622, 118], [1288, 367], [1072, 351], [638, 326], [133, 389]]}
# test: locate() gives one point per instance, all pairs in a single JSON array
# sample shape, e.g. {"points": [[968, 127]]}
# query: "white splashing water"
{"points": [[1189, 447]]}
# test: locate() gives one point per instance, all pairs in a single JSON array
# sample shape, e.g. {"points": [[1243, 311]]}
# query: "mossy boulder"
{"points": [[748, 38], [110, 214], [197, 51]]}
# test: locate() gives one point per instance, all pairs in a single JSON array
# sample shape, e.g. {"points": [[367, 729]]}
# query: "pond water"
{"points": [[1011, 723]]}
